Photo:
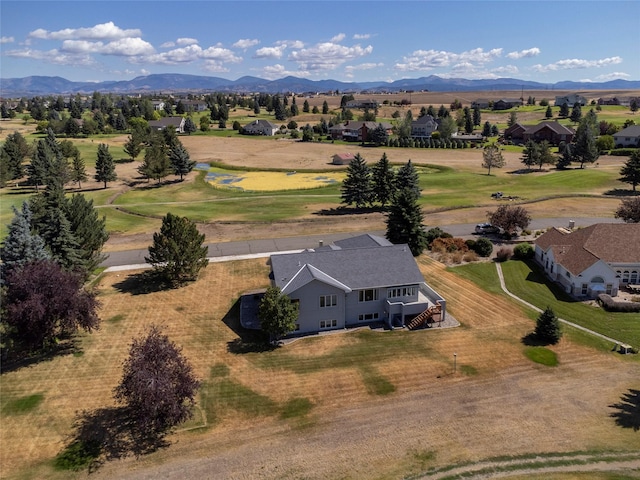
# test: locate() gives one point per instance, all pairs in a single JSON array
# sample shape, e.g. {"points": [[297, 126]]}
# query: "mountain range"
{"points": [[180, 83]]}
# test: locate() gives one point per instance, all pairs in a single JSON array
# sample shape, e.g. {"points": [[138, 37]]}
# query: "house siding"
{"points": [[310, 313]]}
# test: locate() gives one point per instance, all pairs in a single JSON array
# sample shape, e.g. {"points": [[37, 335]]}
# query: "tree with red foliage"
{"points": [[43, 302], [158, 385]]}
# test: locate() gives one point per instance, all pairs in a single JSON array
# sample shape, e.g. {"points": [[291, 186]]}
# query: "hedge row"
{"points": [[609, 304]]}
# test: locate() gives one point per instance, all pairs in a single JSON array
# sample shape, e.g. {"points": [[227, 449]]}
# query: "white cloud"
{"points": [[127, 47], [338, 38], [506, 70], [363, 66], [220, 54], [183, 42], [430, 59], [290, 43], [53, 56], [215, 67], [327, 56], [361, 36], [7, 40], [190, 54], [612, 76], [575, 63], [276, 71], [103, 31], [531, 52], [245, 43], [168, 45], [270, 52]]}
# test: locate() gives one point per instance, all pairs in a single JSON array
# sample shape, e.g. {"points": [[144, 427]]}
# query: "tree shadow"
{"points": [[627, 414], [532, 340], [18, 359], [143, 283], [106, 434], [349, 211], [621, 192], [249, 340]]}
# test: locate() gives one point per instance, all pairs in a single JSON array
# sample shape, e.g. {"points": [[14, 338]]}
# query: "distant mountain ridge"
{"points": [[176, 83]]}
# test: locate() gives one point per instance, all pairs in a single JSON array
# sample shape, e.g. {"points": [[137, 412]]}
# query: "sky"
{"points": [[374, 40]]}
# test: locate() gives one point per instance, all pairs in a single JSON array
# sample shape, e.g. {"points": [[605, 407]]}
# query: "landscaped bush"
{"points": [[483, 247], [523, 251], [470, 256], [609, 304], [623, 152], [436, 232], [503, 254], [444, 244]]}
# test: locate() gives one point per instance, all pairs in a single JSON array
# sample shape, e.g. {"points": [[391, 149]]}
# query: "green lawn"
{"points": [[529, 283]]}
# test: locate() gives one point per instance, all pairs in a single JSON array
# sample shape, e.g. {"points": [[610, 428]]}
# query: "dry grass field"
{"points": [[497, 403]]}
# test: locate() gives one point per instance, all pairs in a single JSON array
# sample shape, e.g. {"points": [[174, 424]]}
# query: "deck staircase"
{"points": [[426, 317]]}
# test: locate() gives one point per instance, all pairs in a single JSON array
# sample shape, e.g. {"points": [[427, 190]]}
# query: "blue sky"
{"points": [[546, 41]]}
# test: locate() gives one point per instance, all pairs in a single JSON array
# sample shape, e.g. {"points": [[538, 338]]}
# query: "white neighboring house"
{"points": [[175, 122], [597, 259], [260, 127], [423, 127], [628, 137]]}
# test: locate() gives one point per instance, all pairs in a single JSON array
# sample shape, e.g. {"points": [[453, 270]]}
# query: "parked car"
{"points": [[483, 228]]}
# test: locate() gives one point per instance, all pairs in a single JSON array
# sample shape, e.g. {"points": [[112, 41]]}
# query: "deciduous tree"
{"points": [[158, 385], [629, 210], [510, 218], [277, 313], [492, 158], [43, 302], [177, 252]]}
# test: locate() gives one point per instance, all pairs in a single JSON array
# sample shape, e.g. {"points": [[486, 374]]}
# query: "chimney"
{"points": [[572, 224], [321, 243]]}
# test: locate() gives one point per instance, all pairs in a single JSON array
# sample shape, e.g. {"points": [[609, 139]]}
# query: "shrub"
{"points": [[503, 254], [470, 256], [523, 251], [623, 152], [483, 247], [444, 244], [436, 232], [611, 305]]}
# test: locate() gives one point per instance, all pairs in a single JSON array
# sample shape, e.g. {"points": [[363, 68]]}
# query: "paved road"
{"points": [[247, 247]]}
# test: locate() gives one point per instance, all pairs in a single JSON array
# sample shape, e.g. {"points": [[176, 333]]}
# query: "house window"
{"points": [[568, 275], [584, 288], [402, 292], [609, 288], [369, 295], [297, 327], [328, 301], [625, 276], [634, 277], [328, 323], [367, 316]]}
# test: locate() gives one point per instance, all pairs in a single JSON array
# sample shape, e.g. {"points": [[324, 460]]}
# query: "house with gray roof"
{"points": [[597, 259], [423, 127], [164, 122], [356, 281], [260, 127], [627, 137], [570, 100]]}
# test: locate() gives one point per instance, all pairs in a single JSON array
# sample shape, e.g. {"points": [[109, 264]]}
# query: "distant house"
{"points": [[194, 105], [175, 122], [506, 103], [515, 133], [157, 104], [357, 281], [336, 131], [359, 131], [552, 132], [423, 127], [609, 101], [482, 103], [467, 137], [369, 104], [342, 158], [597, 259], [260, 127], [628, 137], [627, 101], [570, 100]]}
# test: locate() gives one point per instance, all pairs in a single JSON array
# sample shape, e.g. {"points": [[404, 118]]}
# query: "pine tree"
{"points": [[407, 178], [22, 245], [549, 112], [564, 110], [404, 222], [356, 187], [156, 161], [383, 179], [88, 229], [530, 154], [277, 313], [17, 149], [576, 113], [189, 126], [548, 327], [180, 160], [133, 145], [105, 166], [41, 164], [177, 252], [586, 150], [630, 171], [325, 108], [305, 106]]}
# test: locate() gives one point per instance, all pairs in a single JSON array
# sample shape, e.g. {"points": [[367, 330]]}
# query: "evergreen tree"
{"points": [[477, 118], [256, 107], [156, 160], [17, 149], [630, 171], [378, 136], [277, 313], [134, 145], [548, 327], [279, 110], [180, 160], [305, 106], [177, 252], [78, 172], [105, 166], [566, 156], [564, 110], [586, 150], [576, 113], [549, 112], [383, 180], [407, 178], [22, 245], [405, 222], [325, 108], [4, 168], [189, 126], [356, 187], [513, 119], [545, 157], [530, 154], [492, 157], [41, 164], [468, 120], [88, 229], [486, 129]]}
